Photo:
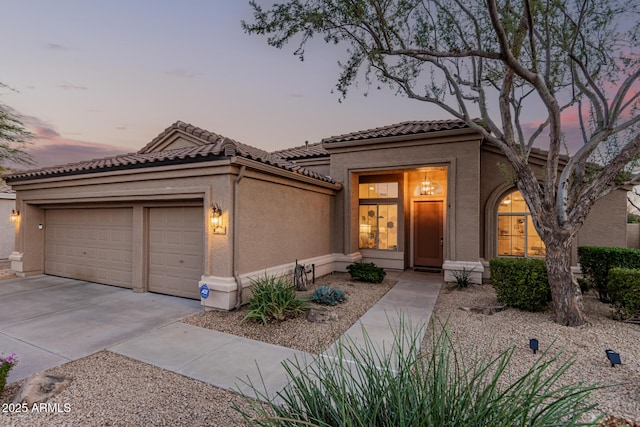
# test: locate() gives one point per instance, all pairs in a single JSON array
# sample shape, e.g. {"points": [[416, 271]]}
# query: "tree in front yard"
{"points": [[510, 63], [13, 138]]}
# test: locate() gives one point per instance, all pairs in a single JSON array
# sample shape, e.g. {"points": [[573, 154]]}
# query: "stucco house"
{"points": [[194, 208], [7, 206]]}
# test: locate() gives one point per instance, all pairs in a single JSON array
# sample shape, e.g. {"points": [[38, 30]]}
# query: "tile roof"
{"points": [[398, 129], [5, 188], [213, 146], [306, 151]]}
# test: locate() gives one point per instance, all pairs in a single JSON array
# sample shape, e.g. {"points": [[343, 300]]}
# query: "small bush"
{"points": [[366, 271], [624, 291], [463, 277], [326, 295], [366, 386], [596, 262], [585, 284], [6, 364], [521, 282], [273, 298]]}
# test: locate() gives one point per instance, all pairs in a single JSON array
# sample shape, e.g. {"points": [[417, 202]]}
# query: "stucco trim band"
{"points": [[222, 290]]}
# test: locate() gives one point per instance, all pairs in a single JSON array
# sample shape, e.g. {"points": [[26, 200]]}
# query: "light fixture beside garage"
{"points": [[216, 220], [15, 215]]}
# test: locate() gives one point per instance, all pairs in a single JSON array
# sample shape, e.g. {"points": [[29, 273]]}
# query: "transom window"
{"points": [[517, 235], [378, 190]]}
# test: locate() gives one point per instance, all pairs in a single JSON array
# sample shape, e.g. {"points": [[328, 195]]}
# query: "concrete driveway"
{"points": [[48, 321]]}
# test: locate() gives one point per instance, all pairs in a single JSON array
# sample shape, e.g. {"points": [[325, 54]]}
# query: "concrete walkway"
{"points": [[231, 362], [48, 320]]}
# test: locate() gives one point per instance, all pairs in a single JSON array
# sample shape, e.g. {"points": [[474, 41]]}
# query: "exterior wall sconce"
{"points": [[216, 220], [14, 216]]}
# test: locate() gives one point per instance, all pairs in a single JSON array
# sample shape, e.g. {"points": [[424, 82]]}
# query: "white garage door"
{"points": [[176, 247], [89, 244]]}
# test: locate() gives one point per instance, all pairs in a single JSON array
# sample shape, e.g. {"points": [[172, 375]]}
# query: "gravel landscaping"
{"points": [[108, 389], [492, 334], [299, 333]]}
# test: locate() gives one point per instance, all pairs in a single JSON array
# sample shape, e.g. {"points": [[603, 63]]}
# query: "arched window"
{"points": [[516, 234]]}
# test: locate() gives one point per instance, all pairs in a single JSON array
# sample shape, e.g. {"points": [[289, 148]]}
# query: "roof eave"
{"points": [[328, 145], [275, 170]]}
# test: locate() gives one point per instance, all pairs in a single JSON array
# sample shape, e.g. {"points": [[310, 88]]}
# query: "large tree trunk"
{"points": [[565, 292]]}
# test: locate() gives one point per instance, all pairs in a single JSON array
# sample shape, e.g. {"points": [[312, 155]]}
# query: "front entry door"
{"points": [[428, 234]]}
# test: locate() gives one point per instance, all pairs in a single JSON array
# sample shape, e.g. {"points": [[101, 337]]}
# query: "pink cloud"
{"points": [[50, 148], [64, 151]]}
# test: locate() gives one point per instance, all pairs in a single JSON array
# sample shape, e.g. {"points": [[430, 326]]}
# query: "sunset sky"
{"points": [[98, 78], [95, 79]]}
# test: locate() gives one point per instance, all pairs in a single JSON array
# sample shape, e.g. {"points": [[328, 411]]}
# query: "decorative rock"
{"points": [[40, 388], [321, 315], [485, 310]]}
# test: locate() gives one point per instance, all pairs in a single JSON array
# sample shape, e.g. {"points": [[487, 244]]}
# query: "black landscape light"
{"points": [[614, 358], [533, 345]]}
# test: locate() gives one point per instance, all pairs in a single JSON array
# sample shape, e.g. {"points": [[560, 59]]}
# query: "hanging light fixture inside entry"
{"points": [[427, 187]]}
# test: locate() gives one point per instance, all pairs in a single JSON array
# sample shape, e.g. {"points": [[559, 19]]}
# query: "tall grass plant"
{"points": [[361, 385]]}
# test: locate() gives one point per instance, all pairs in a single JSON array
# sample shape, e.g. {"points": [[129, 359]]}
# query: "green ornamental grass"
{"points": [[273, 299], [362, 386]]}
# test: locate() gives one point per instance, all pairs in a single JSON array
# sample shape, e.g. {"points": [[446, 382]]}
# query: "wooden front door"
{"points": [[428, 234]]}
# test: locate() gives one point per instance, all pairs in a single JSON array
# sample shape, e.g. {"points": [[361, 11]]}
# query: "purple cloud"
{"points": [[50, 148], [55, 46], [73, 87], [70, 151]]}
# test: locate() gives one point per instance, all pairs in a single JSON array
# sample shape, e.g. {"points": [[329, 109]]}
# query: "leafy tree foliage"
{"points": [[506, 62], [13, 138]]}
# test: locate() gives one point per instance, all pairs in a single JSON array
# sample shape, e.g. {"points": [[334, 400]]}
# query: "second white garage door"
{"points": [[176, 247]]}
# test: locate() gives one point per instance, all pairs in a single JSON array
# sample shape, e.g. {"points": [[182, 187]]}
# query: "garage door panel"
{"points": [[90, 244], [176, 248]]}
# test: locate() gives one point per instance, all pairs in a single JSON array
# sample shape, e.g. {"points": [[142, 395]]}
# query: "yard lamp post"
{"points": [[614, 358]]}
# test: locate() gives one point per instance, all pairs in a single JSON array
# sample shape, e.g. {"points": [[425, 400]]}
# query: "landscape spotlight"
{"points": [[533, 345], [614, 358]]}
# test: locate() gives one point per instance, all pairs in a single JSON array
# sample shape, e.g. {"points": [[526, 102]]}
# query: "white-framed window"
{"points": [[517, 235]]}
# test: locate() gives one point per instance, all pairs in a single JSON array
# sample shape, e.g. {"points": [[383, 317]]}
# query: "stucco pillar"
{"points": [[28, 257]]}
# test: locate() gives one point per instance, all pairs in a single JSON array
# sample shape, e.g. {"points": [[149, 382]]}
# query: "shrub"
{"points": [[363, 386], [6, 364], [366, 271], [624, 291], [326, 295], [463, 277], [521, 282], [273, 298], [585, 284], [596, 262]]}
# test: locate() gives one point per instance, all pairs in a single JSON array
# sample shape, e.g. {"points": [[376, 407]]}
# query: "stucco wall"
{"points": [[633, 236], [279, 223], [7, 228], [280, 218], [605, 225], [459, 152]]}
